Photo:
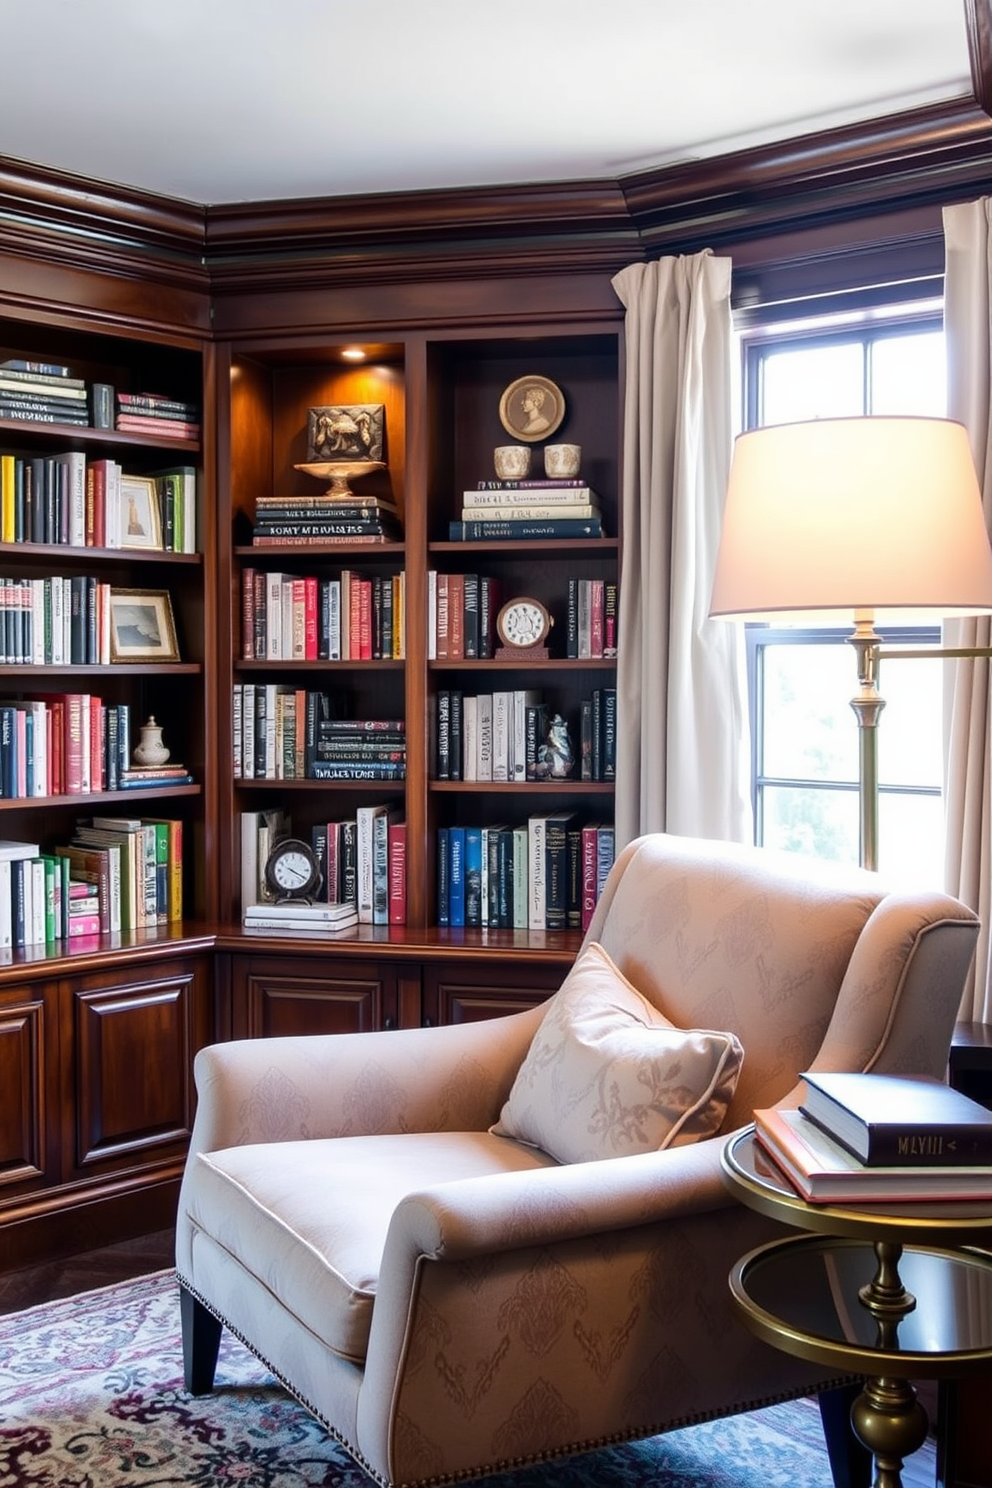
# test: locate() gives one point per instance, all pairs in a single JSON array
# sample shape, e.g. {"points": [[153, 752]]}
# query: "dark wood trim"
{"points": [[978, 20]]}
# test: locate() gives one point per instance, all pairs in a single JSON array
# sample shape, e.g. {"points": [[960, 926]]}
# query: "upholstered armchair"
{"points": [[371, 1215]]}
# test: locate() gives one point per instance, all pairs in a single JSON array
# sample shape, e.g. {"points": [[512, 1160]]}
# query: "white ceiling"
{"points": [[231, 100]]}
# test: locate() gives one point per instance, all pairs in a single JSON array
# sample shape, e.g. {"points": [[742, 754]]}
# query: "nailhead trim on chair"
{"points": [[594, 1444]]}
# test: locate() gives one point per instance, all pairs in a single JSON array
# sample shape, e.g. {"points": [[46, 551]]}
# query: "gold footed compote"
{"points": [[340, 472]]}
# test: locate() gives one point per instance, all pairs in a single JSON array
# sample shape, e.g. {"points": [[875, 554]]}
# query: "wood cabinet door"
{"points": [[282, 995], [469, 991], [28, 1082], [128, 1041]]}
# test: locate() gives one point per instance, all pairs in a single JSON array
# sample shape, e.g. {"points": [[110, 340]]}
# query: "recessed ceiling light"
{"points": [[353, 354]]}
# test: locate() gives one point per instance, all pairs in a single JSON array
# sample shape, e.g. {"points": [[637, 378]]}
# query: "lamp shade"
{"points": [[874, 514]]}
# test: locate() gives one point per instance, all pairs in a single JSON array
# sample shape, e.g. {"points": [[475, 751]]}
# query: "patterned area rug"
{"points": [[91, 1396]]}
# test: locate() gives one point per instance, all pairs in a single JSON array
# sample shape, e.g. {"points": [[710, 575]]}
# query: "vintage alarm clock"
{"points": [[292, 870], [523, 625]]}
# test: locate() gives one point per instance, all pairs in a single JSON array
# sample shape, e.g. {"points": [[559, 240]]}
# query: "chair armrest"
{"points": [[453, 1078]]}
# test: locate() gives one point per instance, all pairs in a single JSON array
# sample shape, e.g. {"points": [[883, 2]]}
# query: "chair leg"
{"points": [[850, 1460], [201, 1343]]}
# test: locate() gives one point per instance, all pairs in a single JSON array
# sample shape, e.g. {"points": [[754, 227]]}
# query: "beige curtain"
{"points": [[682, 763], [968, 748]]}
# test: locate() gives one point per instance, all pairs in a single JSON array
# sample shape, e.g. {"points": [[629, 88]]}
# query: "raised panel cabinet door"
{"points": [[25, 1120], [468, 992], [133, 1040], [275, 996]]}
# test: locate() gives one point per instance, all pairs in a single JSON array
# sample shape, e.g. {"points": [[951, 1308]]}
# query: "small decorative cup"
{"points": [[512, 461], [562, 461]]}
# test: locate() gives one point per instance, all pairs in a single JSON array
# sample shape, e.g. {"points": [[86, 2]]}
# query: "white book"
{"points": [[523, 698], [533, 496], [502, 702], [520, 878], [10, 850], [40, 591], [112, 505], [365, 859], [248, 731], [189, 509], [236, 724], [37, 922], [273, 617], [535, 873], [249, 859], [345, 614], [85, 721], [75, 466], [334, 619], [470, 738], [56, 602], [271, 690], [484, 708], [432, 615], [286, 618], [6, 906], [38, 778], [528, 511], [298, 912]]}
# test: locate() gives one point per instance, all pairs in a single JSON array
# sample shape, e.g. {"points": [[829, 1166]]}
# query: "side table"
{"points": [[892, 1292]]}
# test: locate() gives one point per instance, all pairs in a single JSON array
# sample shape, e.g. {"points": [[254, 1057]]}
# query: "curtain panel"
{"points": [[682, 736]]}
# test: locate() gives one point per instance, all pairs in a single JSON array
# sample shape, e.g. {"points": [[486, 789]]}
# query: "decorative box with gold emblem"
{"points": [[523, 625]]}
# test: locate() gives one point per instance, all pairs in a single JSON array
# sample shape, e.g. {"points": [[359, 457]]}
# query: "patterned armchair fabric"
{"points": [[450, 1302]]}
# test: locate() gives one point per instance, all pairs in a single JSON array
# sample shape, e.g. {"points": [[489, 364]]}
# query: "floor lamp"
{"points": [[871, 520]]}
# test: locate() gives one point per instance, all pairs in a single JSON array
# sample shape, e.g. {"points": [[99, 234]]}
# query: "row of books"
{"points": [[33, 395], [71, 744], [289, 617], [68, 500], [157, 415], [116, 873], [461, 616], [362, 861], [313, 520], [286, 733], [55, 621], [498, 510], [545, 875], [506, 736], [880, 1138]]}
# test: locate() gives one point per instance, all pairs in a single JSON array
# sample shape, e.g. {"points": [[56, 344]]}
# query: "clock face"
{"points": [[523, 622], [291, 870]]}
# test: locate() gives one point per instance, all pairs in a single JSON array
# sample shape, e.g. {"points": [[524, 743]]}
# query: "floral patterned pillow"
{"points": [[607, 1075]]}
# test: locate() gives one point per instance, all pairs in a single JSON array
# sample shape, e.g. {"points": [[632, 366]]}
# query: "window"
{"points": [[803, 731]]}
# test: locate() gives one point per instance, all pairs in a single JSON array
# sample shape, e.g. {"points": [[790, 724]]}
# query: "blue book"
{"points": [[443, 876], [473, 877], [456, 855]]}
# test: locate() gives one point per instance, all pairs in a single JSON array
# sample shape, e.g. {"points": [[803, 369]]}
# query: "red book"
{"points": [[596, 617], [98, 749], [589, 850], [456, 617], [310, 607], [364, 587], [248, 576], [396, 847]]}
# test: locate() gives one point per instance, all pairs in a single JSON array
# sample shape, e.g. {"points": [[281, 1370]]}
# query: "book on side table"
{"points": [[899, 1120], [824, 1172]]}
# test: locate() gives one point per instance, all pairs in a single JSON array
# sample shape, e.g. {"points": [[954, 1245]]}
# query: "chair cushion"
{"points": [[309, 1219], [607, 1075]]}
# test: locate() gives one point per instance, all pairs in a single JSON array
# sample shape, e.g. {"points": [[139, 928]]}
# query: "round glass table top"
{"points": [[803, 1295], [756, 1180]]}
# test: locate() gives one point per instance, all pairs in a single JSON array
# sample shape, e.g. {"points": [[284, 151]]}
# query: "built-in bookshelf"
{"points": [[105, 544]]}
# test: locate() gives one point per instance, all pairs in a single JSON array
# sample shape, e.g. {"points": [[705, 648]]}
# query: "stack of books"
{"points": [[300, 917], [41, 393], [505, 510], [300, 521], [880, 1139], [151, 413]]}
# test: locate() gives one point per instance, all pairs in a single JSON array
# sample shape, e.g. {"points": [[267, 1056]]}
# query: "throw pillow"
{"points": [[607, 1075]]}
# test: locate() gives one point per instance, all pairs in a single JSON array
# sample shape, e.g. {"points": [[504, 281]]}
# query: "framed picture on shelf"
{"points": [[141, 522], [532, 408], [142, 627]]}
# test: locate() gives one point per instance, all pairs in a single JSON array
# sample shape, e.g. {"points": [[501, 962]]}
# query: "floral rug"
{"points": [[91, 1396]]}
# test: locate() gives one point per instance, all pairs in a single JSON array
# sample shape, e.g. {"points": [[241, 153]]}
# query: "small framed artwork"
{"points": [[141, 626], [532, 408], [141, 522]]}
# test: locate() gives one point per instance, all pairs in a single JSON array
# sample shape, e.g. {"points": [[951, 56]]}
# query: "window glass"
{"points": [[812, 382]]}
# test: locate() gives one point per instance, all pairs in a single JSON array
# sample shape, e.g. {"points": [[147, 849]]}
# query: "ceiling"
{"points": [[214, 101]]}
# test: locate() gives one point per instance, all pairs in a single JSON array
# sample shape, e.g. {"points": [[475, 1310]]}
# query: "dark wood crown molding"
{"points": [[978, 21]]}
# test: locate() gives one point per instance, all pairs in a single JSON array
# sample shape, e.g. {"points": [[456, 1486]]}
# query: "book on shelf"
{"points": [[157, 428], [48, 371], [456, 876], [526, 529], [260, 831], [565, 489], [442, 870], [397, 851], [530, 512], [824, 1172], [300, 912], [371, 830], [369, 539], [893, 1120]]}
